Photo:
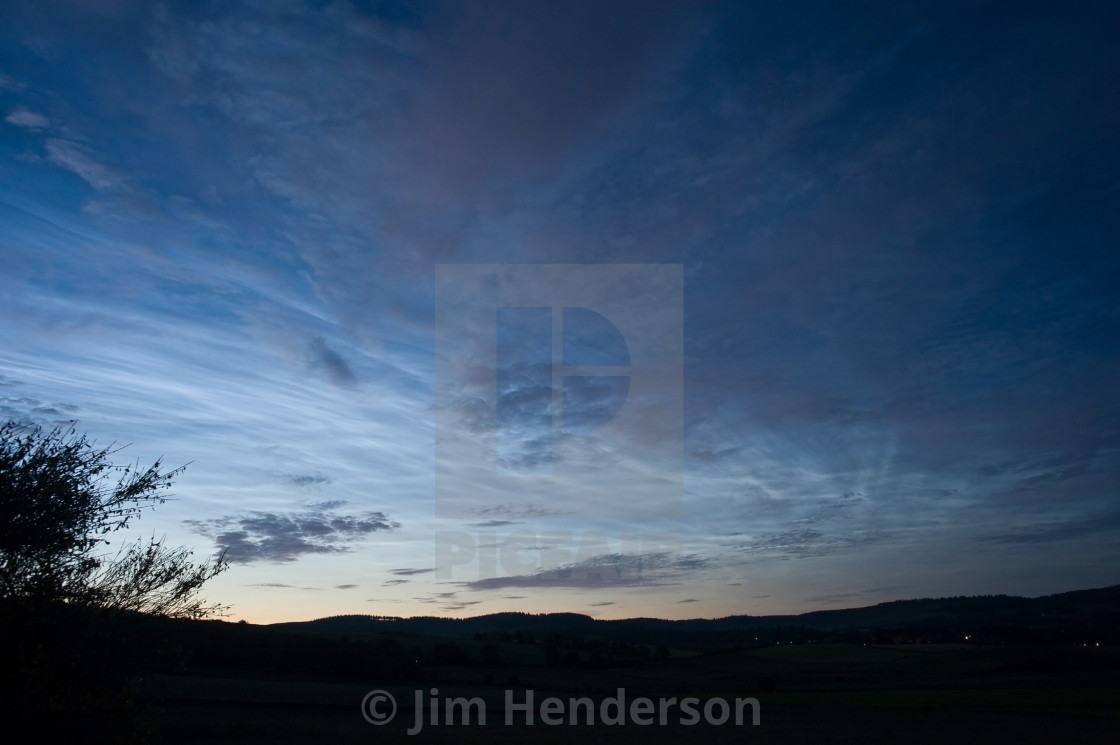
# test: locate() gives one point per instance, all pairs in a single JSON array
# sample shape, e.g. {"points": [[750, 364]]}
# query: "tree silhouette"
{"points": [[60, 502], [71, 611]]}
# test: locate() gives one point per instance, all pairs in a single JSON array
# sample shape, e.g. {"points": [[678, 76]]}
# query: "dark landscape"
{"points": [[963, 669]]}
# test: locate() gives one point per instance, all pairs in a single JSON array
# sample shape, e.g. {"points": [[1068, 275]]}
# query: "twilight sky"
{"points": [[619, 308]]}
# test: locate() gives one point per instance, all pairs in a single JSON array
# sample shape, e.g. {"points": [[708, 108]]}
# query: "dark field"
{"points": [[829, 692], [989, 669]]}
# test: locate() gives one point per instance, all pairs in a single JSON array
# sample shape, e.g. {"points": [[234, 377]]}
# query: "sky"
{"points": [[616, 308]]}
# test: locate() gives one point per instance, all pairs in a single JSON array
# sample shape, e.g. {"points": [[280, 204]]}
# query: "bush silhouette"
{"points": [[58, 504], [67, 609]]}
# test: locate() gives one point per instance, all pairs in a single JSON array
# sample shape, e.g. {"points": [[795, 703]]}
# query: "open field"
{"points": [[831, 693]]}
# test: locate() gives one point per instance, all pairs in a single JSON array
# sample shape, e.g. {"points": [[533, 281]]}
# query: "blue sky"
{"points": [[895, 316]]}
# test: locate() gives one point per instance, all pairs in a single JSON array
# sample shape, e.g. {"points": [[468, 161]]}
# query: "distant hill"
{"points": [[1078, 616]]}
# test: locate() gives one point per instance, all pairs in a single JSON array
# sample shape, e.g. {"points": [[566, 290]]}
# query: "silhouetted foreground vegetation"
{"points": [[61, 500], [67, 669], [70, 613]]}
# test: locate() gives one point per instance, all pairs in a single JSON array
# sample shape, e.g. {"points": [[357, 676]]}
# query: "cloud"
{"points": [[805, 542], [1059, 530], [311, 479], [34, 411], [446, 601], [517, 88], [591, 401], [327, 504], [408, 571], [9, 84], [519, 513], [284, 537], [832, 509], [324, 358], [605, 570], [80, 160], [345, 587], [494, 523], [285, 586], [22, 117]]}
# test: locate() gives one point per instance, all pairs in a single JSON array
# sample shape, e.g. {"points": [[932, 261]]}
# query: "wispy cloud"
{"points": [[518, 512], [82, 161], [607, 570], [309, 479], [8, 83], [22, 117], [804, 542], [409, 571], [331, 362], [1053, 531]]}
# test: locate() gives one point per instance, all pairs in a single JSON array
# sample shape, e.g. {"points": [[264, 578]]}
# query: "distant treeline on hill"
{"points": [[221, 647], [1083, 616]]}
